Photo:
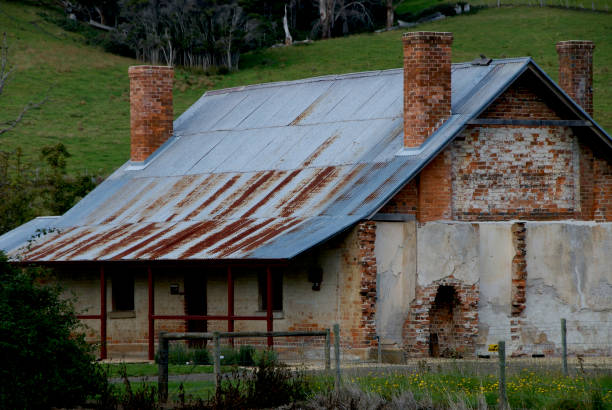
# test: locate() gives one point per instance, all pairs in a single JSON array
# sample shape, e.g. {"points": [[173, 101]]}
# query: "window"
{"points": [[277, 291], [123, 292]]}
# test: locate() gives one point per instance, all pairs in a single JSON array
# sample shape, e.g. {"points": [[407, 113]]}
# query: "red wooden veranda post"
{"points": [[269, 318], [103, 352], [230, 302], [151, 313]]}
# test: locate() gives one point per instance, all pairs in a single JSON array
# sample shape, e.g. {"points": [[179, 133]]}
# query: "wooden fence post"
{"points": [[327, 350], [217, 360], [162, 378], [564, 344], [503, 398], [337, 353]]}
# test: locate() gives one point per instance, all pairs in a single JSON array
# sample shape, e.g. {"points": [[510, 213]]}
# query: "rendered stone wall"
{"points": [[127, 333], [565, 268]]}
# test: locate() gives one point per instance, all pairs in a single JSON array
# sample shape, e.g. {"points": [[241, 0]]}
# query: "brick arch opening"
{"points": [[443, 320]]}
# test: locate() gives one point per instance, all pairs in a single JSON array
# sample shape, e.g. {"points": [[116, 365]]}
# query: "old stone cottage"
{"points": [[439, 206]]}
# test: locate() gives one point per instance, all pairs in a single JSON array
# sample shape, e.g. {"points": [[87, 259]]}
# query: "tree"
{"points": [[45, 359], [5, 73]]}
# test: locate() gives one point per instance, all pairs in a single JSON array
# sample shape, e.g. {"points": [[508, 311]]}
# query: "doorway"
{"points": [[196, 304], [444, 315]]}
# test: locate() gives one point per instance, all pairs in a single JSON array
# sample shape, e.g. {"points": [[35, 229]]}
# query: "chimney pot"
{"points": [[576, 71], [151, 111], [427, 84]]}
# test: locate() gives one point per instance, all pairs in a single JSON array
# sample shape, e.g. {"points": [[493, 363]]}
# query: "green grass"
{"points": [[149, 369], [416, 6], [527, 389], [89, 109]]}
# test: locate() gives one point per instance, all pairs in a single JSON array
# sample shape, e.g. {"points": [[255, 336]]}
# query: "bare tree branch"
{"points": [[12, 124], [5, 72]]}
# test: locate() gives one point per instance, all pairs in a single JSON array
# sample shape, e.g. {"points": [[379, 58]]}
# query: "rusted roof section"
{"points": [[263, 172]]}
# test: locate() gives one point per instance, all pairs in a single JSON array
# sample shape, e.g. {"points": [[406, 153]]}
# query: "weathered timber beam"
{"points": [[507, 121]]}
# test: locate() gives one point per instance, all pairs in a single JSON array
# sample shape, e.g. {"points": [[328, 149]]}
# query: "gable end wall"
{"points": [[505, 172]]}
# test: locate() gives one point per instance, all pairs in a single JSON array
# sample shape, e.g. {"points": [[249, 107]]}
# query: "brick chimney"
{"points": [[427, 84], [151, 112], [576, 71]]}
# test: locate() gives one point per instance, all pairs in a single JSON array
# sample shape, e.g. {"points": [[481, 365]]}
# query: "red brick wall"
{"points": [[435, 189], [576, 71], [404, 202], [521, 102], [519, 268], [151, 112], [418, 327], [504, 173], [365, 336], [427, 84]]}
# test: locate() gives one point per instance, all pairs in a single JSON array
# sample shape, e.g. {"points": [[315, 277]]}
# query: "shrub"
{"points": [[246, 356], [179, 354], [45, 359]]}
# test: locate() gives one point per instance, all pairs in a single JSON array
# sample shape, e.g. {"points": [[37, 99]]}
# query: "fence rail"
{"points": [[165, 337]]}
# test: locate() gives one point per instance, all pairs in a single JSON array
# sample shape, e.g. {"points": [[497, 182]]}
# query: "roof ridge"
{"points": [[331, 77]]}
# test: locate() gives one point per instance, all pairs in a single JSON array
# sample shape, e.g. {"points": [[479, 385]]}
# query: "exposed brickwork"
{"points": [[520, 102], [519, 269], [151, 112], [576, 71], [366, 234], [505, 173], [602, 190], [425, 314], [435, 189], [427, 84], [404, 202], [595, 186]]}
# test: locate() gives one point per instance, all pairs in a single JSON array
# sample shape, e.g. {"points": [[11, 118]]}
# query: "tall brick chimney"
{"points": [[427, 84], [151, 112], [576, 71]]}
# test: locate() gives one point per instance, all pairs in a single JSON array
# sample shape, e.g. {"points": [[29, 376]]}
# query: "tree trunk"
{"points": [[390, 16], [288, 39], [325, 18]]}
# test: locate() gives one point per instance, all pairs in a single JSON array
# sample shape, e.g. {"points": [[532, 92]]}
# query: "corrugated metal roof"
{"points": [[265, 171]]}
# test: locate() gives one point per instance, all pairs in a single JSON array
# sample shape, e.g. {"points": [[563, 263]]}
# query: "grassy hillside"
{"points": [[88, 108]]}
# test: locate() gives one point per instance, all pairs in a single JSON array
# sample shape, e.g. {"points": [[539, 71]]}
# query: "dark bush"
{"points": [[246, 356], [179, 354], [45, 359]]}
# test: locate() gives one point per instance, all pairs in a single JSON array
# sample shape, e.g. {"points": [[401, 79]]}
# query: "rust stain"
{"points": [[228, 244], [98, 239], [231, 197], [320, 149], [301, 195], [342, 184], [261, 183], [266, 235], [271, 194], [46, 242], [306, 112], [53, 248], [198, 191], [214, 196], [165, 246], [209, 241], [142, 233], [177, 188], [128, 204]]}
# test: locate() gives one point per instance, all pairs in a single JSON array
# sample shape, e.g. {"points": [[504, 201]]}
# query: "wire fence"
{"points": [[530, 354]]}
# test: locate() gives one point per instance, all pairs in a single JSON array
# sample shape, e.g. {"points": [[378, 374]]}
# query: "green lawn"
{"points": [[150, 369], [88, 108], [525, 389]]}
